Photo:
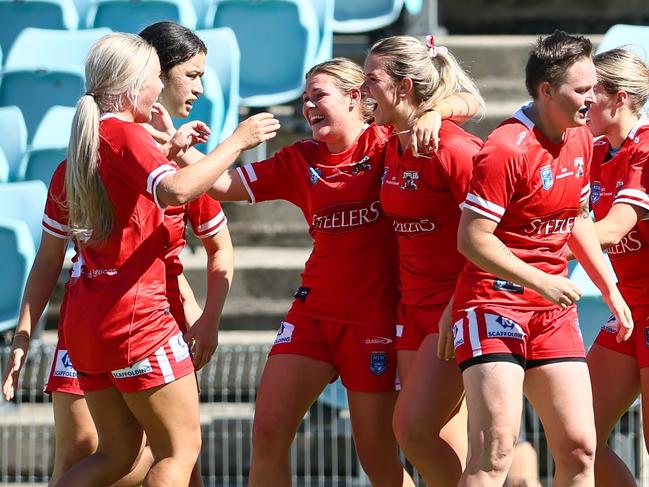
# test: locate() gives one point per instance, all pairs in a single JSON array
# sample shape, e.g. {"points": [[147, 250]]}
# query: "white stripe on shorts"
{"points": [[474, 334], [165, 366]]}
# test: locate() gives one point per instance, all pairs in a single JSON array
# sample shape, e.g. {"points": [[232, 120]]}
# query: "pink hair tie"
{"points": [[434, 51]]}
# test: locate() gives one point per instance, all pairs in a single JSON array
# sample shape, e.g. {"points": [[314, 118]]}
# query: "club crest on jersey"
{"points": [[378, 362], [595, 191], [579, 167], [410, 180], [385, 174], [546, 177], [362, 165], [314, 174]]}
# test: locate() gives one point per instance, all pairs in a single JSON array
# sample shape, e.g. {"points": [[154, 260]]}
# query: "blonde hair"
{"points": [[347, 76], [433, 79], [116, 69], [623, 70]]}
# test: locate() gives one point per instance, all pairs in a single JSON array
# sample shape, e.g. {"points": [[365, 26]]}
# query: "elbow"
{"points": [[464, 245], [168, 197]]}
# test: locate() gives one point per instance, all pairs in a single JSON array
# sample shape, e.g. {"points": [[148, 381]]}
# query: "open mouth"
{"points": [[316, 119], [372, 103], [583, 112]]}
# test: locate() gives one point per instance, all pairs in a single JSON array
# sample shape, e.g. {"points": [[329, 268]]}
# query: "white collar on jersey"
{"points": [[521, 117], [107, 115], [642, 121]]}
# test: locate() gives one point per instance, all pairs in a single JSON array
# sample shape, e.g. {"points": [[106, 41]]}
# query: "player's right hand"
{"points": [[255, 130], [445, 346], [12, 372], [560, 290], [187, 135]]}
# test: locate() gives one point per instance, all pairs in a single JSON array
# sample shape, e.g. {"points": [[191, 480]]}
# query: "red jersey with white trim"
{"points": [[422, 196], [624, 178], [351, 275], [117, 309], [207, 219], [533, 189]]}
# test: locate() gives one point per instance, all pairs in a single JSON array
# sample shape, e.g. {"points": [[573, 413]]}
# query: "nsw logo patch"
{"points": [[547, 178], [378, 362]]}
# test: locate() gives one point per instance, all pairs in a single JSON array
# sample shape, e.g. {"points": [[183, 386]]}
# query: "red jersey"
{"points": [[207, 219], [422, 196], [117, 294], [351, 275], [533, 189], [624, 178]]}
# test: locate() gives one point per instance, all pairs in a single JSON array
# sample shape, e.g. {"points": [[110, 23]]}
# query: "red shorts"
{"points": [[416, 322], [530, 338], [63, 377], [169, 362], [363, 356], [637, 345]]}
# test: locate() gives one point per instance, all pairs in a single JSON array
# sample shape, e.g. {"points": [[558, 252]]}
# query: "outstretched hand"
{"points": [[255, 130]]}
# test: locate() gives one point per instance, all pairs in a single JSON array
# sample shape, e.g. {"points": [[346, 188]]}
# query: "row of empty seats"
{"points": [[132, 15]]}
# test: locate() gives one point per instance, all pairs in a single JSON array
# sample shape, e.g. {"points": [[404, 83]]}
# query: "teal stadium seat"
{"points": [[4, 168], [49, 145], [48, 14], [414, 7], [353, 16], [209, 108], [278, 41], [593, 312], [25, 200], [17, 251], [13, 138], [49, 47], [134, 15], [224, 57], [324, 10]]}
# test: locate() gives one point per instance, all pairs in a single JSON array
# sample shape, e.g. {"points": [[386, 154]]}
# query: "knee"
{"points": [[409, 433], [498, 450], [577, 456], [70, 451], [267, 438]]}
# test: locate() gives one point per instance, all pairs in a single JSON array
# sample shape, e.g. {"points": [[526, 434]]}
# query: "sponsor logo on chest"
{"points": [[631, 242], [347, 217], [421, 226], [552, 226]]}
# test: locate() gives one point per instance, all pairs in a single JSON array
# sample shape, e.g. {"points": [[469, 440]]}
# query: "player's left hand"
{"points": [[160, 126], [425, 133], [203, 338], [445, 346], [621, 310]]}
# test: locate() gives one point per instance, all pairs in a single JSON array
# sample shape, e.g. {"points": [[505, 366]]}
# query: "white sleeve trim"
{"points": [[161, 175], [52, 232], [251, 196], [211, 227], [63, 230], [487, 205], [486, 214], [634, 193], [632, 202]]}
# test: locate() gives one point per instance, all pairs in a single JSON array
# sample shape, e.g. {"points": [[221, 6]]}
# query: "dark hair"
{"points": [[174, 43], [552, 56]]}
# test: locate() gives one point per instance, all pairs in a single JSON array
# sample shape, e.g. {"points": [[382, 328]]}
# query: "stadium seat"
{"points": [[224, 57], [634, 37], [134, 15], [25, 201], [593, 312], [48, 47], [414, 6], [324, 10], [278, 41], [18, 252], [54, 129], [35, 90], [352, 16], [208, 108], [13, 138], [47, 14], [40, 164], [4, 168]]}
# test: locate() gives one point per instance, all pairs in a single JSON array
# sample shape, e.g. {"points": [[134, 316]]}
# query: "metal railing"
{"points": [[322, 453]]}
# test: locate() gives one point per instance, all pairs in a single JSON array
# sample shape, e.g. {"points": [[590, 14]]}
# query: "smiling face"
{"points": [[329, 111], [183, 86], [149, 93], [382, 89], [601, 112], [569, 102]]}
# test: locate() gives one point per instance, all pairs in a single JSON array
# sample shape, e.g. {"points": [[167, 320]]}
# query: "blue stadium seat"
{"points": [[134, 15], [35, 90], [49, 47], [352, 16], [13, 138], [278, 41], [209, 108], [4, 168], [25, 201], [201, 7], [633, 37], [224, 57], [414, 6], [47, 14], [17, 251], [593, 312], [49, 145], [324, 10]]}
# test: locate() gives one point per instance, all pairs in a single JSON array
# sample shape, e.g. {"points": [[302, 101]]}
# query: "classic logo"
{"points": [[508, 286], [595, 191], [546, 177], [314, 174], [579, 167], [378, 362], [410, 180], [347, 217]]}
